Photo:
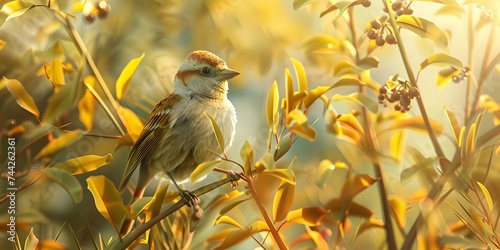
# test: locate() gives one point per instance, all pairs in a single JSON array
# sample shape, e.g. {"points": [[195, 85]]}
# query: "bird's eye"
{"points": [[205, 70]]}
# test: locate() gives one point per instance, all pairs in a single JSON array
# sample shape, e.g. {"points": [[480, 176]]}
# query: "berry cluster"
{"points": [[381, 32], [91, 8], [464, 73], [401, 92], [401, 7]]}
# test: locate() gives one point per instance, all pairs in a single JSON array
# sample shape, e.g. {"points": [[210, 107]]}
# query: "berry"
{"points": [[405, 101], [103, 9], [400, 12], [397, 107], [375, 24], [381, 97], [413, 92], [397, 5], [409, 11], [390, 39], [89, 18], [382, 90], [372, 34], [455, 79], [380, 41], [367, 3]]}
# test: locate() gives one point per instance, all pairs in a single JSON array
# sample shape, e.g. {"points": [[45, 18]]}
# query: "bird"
{"points": [[178, 136]]}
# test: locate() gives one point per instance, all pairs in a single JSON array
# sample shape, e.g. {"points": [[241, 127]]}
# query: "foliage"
{"points": [[365, 174]]}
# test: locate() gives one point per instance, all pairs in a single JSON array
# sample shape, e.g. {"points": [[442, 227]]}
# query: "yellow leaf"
{"points": [[202, 170], [398, 208], [283, 200], [220, 236], [31, 241], [397, 143], [351, 121], [314, 94], [86, 107], [488, 103], [306, 132], [2, 43], [300, 74], [154, 205], [360, 99], [272, 103], [422, 28], [353, 208], [487, 195], [223, 198], [23, 98], [299, 117], [107, 199], [60, 143], [217, 132], [286, 175], [84, 164], [126, 75], [236, 236], [231, 205], [132, 122], [355, 184], [55, 72], [318, 239], [371, 223], [416, 123], [309, 216], [445, 76], [126, 140], [227, 220], [454, 124], [246, 153], [441, 59]]}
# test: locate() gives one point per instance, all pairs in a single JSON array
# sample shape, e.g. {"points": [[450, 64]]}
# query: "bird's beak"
{"points": [[227, 73]]}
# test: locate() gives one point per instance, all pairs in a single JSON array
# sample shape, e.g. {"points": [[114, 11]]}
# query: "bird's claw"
{"points": [[190, 198], [235, 177]]}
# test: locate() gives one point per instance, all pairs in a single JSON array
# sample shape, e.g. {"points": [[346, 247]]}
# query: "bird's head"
{"points": [[203, 74]]}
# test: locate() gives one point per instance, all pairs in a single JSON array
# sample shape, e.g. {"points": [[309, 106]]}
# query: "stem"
{"points": [[484, 69], [470, 29], [81, 45], [140, 230], [370, 141], [411, 76], [270, 224]]}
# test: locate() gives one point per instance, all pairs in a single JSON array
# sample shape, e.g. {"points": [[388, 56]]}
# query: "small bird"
{"points": [[178, 136]]}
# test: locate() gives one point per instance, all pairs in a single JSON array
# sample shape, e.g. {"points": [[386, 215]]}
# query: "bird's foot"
{"points": [[190, 198]]}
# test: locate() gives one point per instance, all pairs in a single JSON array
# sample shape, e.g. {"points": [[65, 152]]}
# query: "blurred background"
{"points": [[257, 38]]}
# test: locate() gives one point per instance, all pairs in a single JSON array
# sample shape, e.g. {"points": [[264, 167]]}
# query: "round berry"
{"points": [[390, 39], [366, 3], [381, 97], [372, 34], [89, 18], [400, 12], [409, 11], [382, 90], [405, 101], [397, 107], [413, 92], [375, 24], [380, 41], [103, 9], [397, 5], [455, 79]]}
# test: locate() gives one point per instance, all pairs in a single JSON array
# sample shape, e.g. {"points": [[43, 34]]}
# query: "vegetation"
{"points": [[356, 146]]}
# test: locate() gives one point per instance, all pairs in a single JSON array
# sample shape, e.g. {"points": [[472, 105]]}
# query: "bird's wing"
{"points": [[156, 126]]}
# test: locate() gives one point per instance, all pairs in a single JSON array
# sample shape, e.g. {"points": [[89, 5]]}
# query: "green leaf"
{"points": [[423, 28], [408, 173], [341, 6], [65, 99], [60, 143], [309, 216], [354, 185], [454, 124], [441, 59], [445, 76], [323, 44], [202, 170], [487, 195], [23, 98], [268, 162], [272, 103], [107, 199], [360, 99], [14, 9], [283, 200], [124, 79], [67, 181], [217, 131], [84, 164]]}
